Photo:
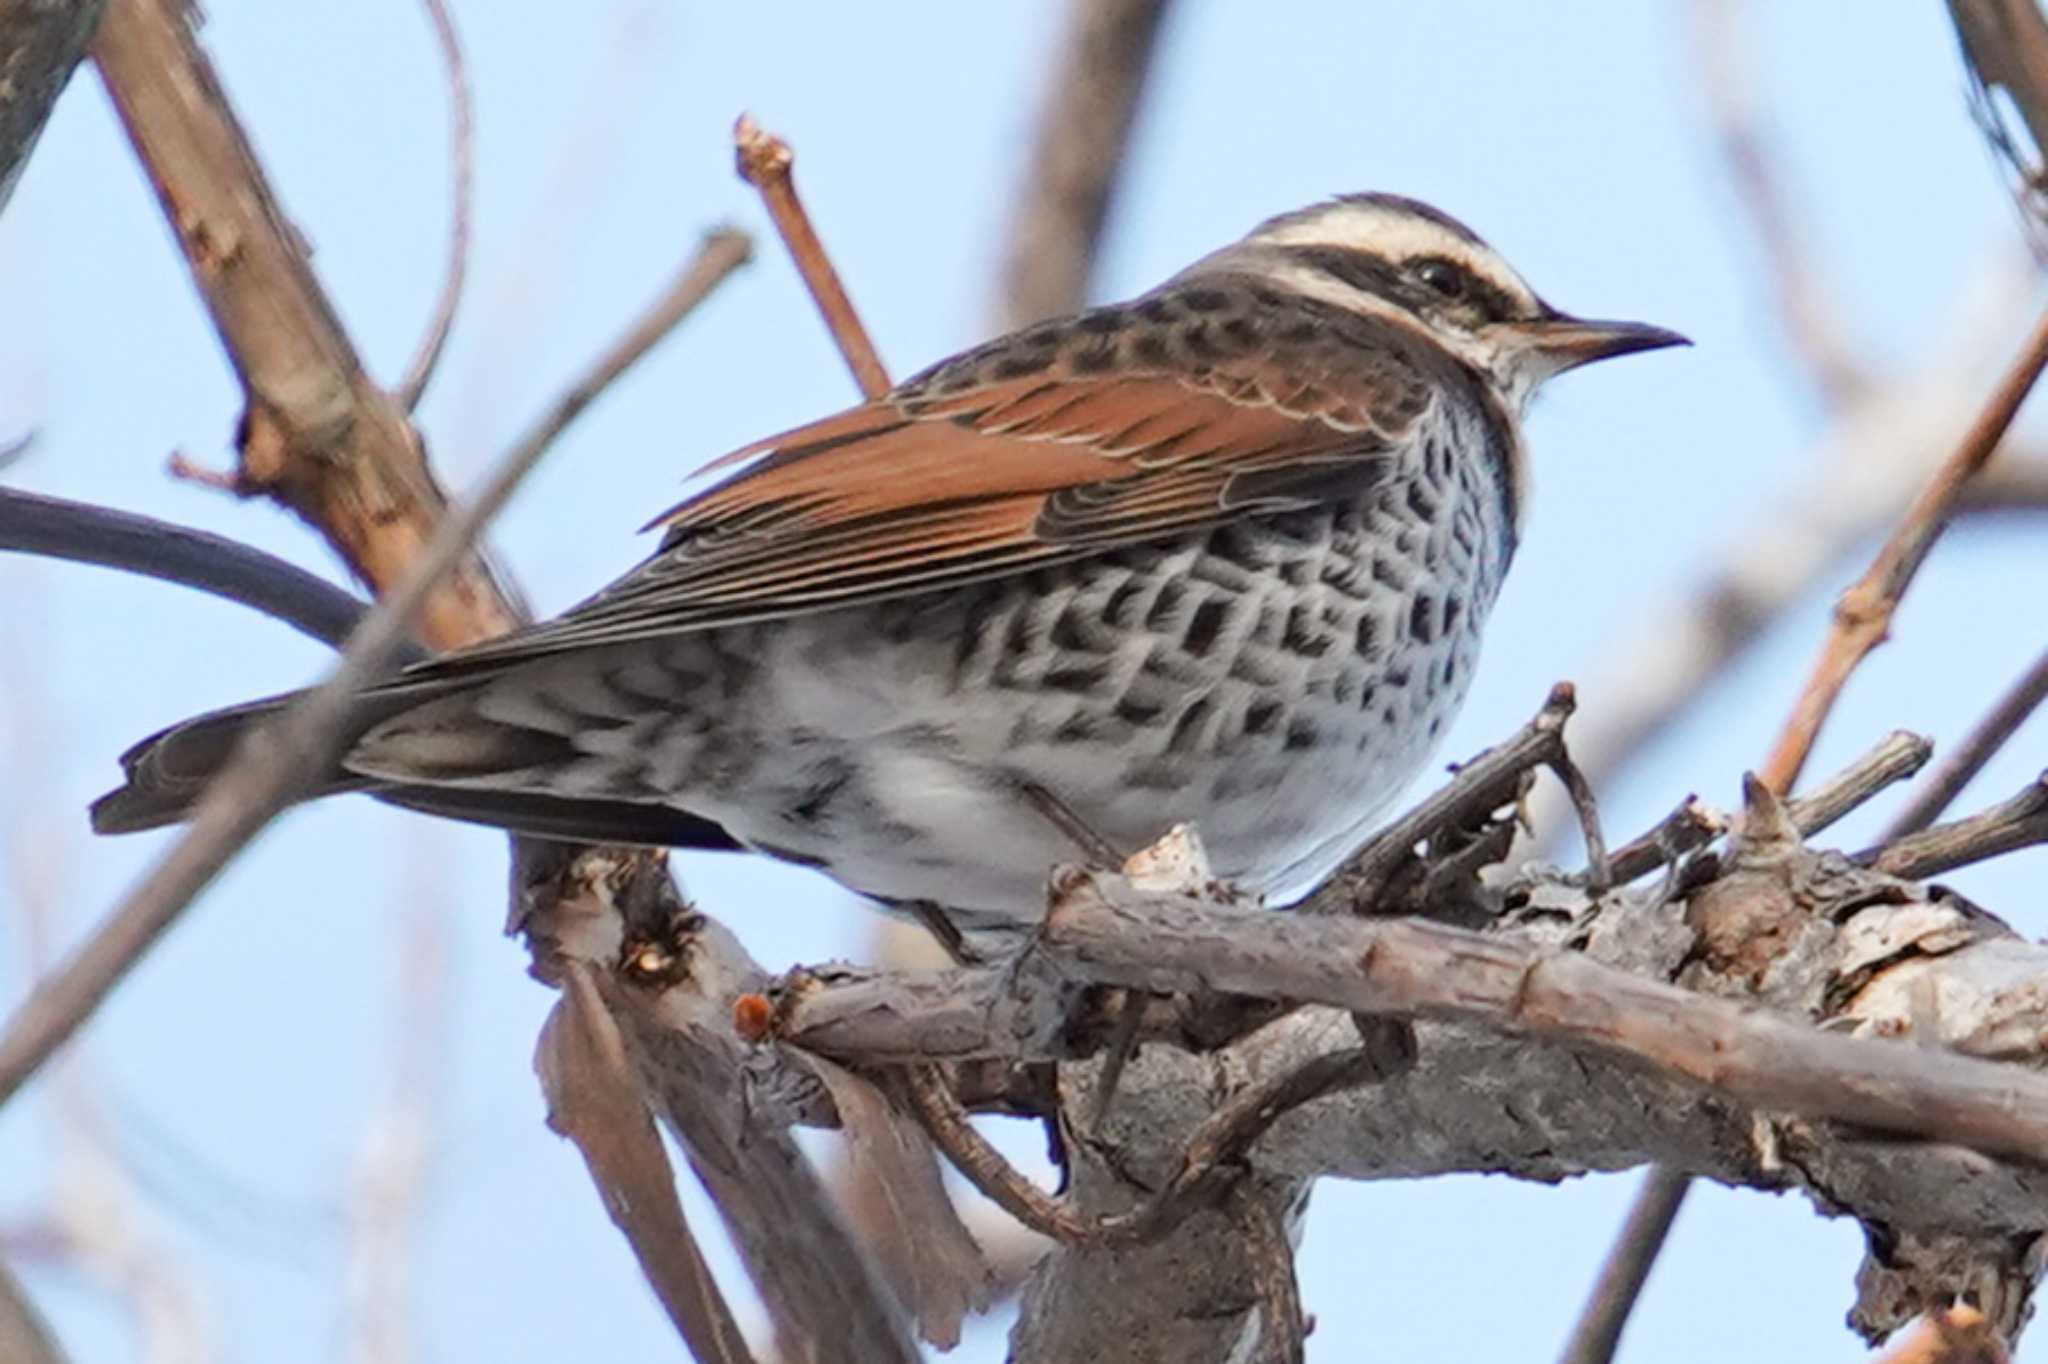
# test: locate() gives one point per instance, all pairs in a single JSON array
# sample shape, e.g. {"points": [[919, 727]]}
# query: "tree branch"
{"points": [[1084, 133], [316, 433], [461, 196], [1863, 614], [1967, 759], [31, 523]]}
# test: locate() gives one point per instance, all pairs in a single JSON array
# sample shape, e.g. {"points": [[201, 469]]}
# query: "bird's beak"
{"points": [[1565, 342]]}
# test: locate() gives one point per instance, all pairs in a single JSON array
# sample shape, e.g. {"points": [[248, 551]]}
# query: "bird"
{"points": [[1219, 555]]}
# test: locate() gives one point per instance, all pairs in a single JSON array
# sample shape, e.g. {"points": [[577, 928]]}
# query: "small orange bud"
{"points": [[753, 1017]]}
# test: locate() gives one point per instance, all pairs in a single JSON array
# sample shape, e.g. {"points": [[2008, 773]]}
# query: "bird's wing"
{"points": [[1101, 430]]}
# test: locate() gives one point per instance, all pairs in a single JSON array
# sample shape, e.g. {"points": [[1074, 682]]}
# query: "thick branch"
{"points": [[316, 433]]}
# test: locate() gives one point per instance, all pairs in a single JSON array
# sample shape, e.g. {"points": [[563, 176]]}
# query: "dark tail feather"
{"points": [[570, 820], [167, 772]]}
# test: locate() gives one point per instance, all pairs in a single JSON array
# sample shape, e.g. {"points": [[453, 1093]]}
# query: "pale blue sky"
{"points": [[254, 1040]]}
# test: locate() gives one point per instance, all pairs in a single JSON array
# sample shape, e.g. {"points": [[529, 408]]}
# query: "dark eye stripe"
{"points": [[1372, 274], [1360, 269], [1483, 297]]}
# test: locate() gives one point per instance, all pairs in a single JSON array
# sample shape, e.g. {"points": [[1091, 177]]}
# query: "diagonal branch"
{"points": [[767, 163], [1863, 614], [1084, 134], [316, 433]]}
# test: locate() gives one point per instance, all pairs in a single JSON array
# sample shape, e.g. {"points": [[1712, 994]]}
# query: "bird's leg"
{"points": [[1099, 850], [1129, 1005], [934, 919]]}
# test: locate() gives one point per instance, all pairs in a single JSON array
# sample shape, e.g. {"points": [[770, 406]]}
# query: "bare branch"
{"points": [[1084, 134], [272, 766], [1272, 1261], [1864, 471], [2020, 822], [593, 1100], [461, 196], [25, 1337], [722, 251], [316, 433], [1864, 612], [31, 523], [1108, 935], [1967, 759], [1807, 316], [766, 162], [1598, 1330], [1894, 758]]}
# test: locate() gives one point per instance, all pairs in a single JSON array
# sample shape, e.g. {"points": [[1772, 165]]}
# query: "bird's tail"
{"points": [[167, 773]]}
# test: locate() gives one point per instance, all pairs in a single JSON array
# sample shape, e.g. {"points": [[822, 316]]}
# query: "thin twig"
{"points": [[1627, 1267], [461, 193], [13, 448], [31, 523], [1863, 614], [1892, 759], [1599, 871], [766, 162], [25, 1338], [1487, 782], [1955, 771], [272, 765], [2019, 822], [1641, 1239], [1811, 323], [1691, 825], [1207, 1164]]}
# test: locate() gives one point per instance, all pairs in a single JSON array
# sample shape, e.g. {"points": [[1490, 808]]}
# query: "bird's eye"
{"points": [[1441, 277]]}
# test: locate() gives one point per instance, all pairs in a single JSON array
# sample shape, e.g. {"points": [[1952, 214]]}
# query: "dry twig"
{"points": [[2019, 822], [1808, 317], [1598, 1330], [1084, 134], [25, 1338], [31, 523], [1967, 759], [766, 162], [1207, 1166], [461, 196], [316, 433], [1863, 614], [593, 1100], [271, 767]]}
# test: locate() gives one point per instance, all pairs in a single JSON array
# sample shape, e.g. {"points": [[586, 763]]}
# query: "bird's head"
{"points": [[1406, 261]]}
